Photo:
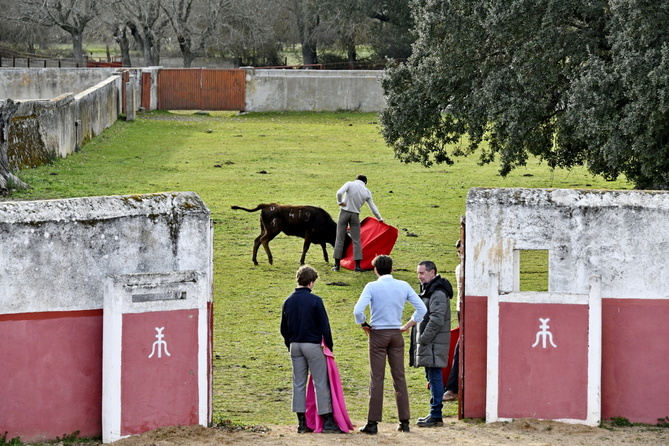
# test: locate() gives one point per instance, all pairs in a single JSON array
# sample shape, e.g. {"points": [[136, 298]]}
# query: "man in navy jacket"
{"points": [[304, 324]]}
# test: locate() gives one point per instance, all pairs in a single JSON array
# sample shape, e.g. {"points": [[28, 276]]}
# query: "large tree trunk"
{"points": [[7, 179], [186, 53], [77, 48], [309, 53], [121, 37]]}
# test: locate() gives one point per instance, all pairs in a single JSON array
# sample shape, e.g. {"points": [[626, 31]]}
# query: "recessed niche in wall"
{"points": [[531, 270]]}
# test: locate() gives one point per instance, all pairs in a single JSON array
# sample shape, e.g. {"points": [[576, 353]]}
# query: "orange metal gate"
{"points": [[146, 91], [201, 89]]}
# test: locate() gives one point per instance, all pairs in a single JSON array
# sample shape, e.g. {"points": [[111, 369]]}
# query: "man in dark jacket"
{"points": [[304, 324], [431, 339]]}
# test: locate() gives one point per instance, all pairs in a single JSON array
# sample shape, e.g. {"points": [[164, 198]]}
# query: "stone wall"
{"points": [[622, 236], [313, 90], [48, 83], [618, 238], [56, 257], [44, 129]]}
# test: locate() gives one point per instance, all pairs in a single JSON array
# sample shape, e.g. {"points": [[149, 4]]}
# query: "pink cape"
{"points": [[314, 421]]}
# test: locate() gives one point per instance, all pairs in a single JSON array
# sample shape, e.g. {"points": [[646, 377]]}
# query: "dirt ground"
{"points": [[454, 432]]}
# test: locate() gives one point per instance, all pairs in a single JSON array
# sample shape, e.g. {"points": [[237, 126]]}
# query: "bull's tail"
{"points": [[257, 208]]}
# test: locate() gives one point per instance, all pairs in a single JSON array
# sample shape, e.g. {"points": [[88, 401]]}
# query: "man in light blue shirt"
{"points": [[386, 298]]}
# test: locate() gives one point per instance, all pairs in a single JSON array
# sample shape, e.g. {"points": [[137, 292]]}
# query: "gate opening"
{"points": [[531, 270]]}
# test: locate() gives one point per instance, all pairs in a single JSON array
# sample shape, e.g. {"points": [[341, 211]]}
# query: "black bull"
{"points": [[311, 223]]}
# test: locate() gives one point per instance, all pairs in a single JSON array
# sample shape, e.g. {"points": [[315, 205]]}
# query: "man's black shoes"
{"points": [[370, 428], [403, 426], [330, 425], [302, 424], [430, 422]]}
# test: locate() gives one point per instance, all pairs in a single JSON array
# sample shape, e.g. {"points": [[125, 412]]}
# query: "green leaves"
{"points": [[571, 82]]}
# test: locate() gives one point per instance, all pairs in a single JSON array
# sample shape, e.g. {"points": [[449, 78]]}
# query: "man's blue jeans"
{"points": [[434, 378]]}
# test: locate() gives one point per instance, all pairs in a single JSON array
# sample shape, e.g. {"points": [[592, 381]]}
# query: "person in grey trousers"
{"points": [[351, 197], [304, 325]]}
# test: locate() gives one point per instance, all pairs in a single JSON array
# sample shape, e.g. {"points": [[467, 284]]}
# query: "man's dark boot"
{"points": [[370, 428], [302, 424], [358, 268], [430, 421], [336, 265], [403, 426], [330, 426]]}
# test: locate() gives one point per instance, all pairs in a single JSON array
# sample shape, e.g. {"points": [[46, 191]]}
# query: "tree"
{"points": [[573, 82], [19, 35], [72, 16], [146, 21], [347, 25], [390, 34], [120, 35], [194, 22], [304, 25], [249, 33]]}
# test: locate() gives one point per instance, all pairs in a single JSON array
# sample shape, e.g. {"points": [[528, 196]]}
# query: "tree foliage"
{"points": [[573, 82], [390, 30]]}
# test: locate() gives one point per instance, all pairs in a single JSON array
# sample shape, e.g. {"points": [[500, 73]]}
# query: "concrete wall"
{"points": [[56, 256], [313, 90], [586, 233], [621, 237], [44, 129], [153, 93], [48, 83], [61, 109]]}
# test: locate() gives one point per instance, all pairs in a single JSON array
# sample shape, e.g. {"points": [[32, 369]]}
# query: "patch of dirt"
{"points": [[518, 432]]}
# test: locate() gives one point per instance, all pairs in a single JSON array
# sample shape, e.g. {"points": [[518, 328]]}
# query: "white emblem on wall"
{"points": [[544, 334], [159, 344]]}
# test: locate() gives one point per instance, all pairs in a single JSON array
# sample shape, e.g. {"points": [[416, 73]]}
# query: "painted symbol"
{"points": [[159, 344], [544, 334]]}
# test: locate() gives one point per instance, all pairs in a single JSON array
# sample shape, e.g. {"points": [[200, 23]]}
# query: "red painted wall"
{"points": [[475, 328], [537, 382], [635, 359], [53, 360], [156, 391]]}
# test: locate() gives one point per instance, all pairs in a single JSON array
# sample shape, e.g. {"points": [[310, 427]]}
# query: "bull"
{"points": [[311, 223]]}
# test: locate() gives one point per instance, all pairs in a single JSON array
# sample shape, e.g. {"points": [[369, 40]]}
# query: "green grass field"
{"points": [[289, 158]]}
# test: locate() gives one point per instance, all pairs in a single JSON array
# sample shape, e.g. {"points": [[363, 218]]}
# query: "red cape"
{"points": [[376, 238]]}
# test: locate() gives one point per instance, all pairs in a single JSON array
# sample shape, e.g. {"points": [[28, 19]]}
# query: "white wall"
{"points": [[47, 83], [622, 236], [56, 254], [313, 90]]}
